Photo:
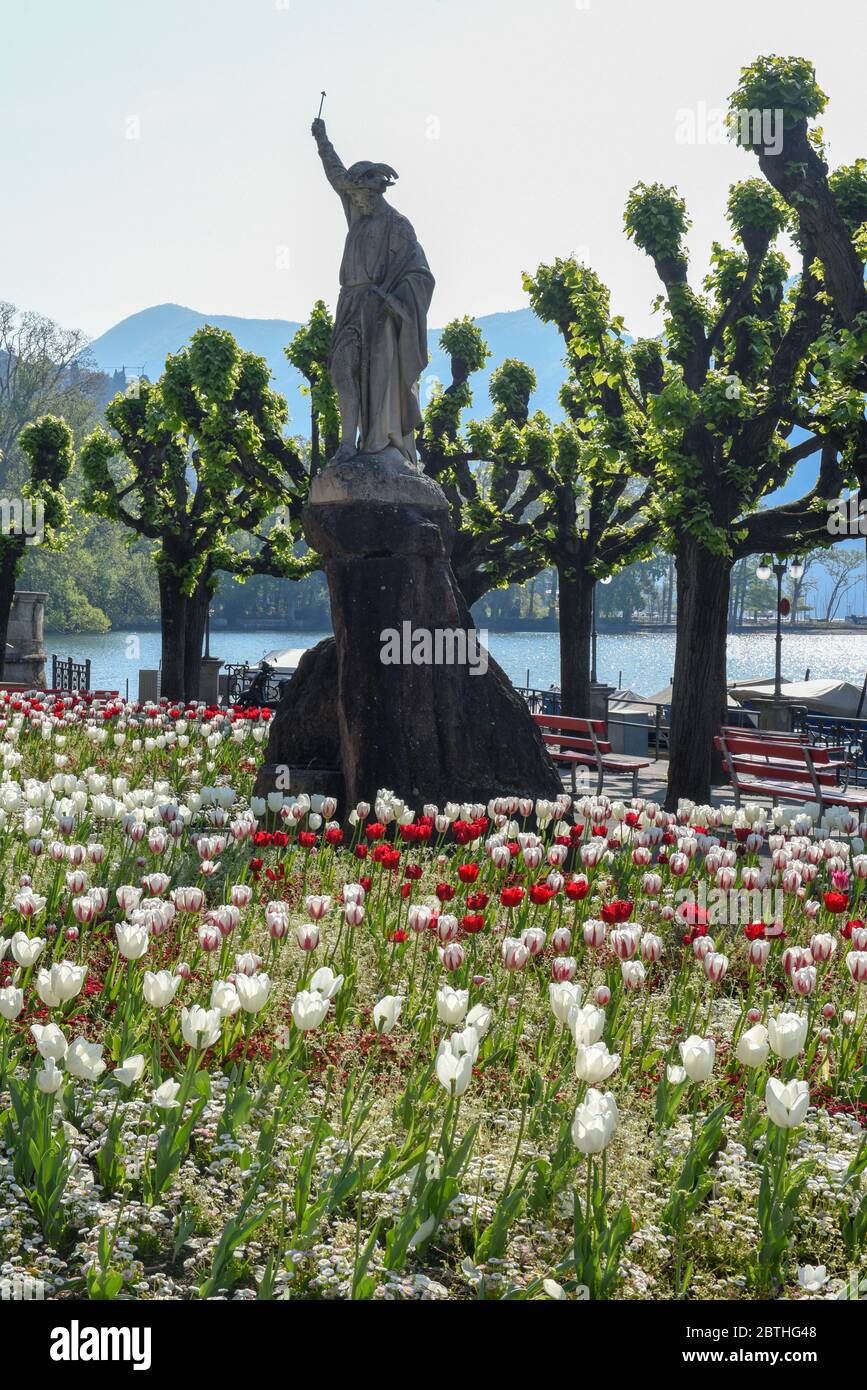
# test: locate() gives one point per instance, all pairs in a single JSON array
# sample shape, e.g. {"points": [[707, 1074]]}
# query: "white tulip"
{"points": [[84, 1060], [200, 1027], [132, 941], [252, 991], [50, 1042], [812, 1278], [563, 997], [454, 1070], [224, 998], [61, 983], [697, 1055], [387, 1012], [787, 1102], [452, 1004], [11, 1002], [479, 1017], [594, 1063], [50, 1078], [309, 1009], [159, 987], [325, 982], [753, 1046], [130, 1071], [586, 1024], [787, 1033], [466, 1043], [166, 1096], [595, 1122], [26, 949]]}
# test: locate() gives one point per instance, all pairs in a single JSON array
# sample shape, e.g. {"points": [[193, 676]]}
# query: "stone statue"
{"points": [[379, 348], [351, 721]]}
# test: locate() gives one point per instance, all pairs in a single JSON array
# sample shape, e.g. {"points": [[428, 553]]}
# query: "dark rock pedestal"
{"points": [[431, 730]]}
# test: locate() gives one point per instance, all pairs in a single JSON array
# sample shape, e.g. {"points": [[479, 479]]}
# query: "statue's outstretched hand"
{"points": [[318, 129]]}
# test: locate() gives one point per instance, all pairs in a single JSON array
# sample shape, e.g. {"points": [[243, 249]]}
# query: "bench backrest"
{"points": [[569, 724], [798, 763], [774, 750], [567, 731], [730, 731]]}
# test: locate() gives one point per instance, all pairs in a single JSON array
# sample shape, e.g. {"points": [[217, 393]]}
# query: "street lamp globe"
{"points": [[763, 569], [796, 567]]}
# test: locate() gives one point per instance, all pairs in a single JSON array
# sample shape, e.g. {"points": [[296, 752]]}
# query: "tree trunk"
{"points": [[173, 625], [194, 635], [698, 700], [576, 626], [10, 554]]}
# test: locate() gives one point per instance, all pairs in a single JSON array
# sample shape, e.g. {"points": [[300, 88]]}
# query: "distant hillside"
{"points": [[141, 343]]}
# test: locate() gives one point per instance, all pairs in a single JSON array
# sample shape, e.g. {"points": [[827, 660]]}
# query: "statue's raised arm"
{"points": [[335, 171]]}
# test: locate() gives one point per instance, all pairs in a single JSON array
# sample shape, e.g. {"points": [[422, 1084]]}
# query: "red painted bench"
{"points": [[766, 735], [585, 743], [97, 694], [788, 770]]}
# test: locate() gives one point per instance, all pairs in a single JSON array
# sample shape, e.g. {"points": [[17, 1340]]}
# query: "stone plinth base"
{"points": [[25, 649], [426, 727]]}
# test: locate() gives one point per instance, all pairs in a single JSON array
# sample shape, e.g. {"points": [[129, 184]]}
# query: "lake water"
{"points": [[640, 661]]}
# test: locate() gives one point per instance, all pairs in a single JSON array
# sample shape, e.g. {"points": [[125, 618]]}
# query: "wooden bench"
{"points": [[788, 770], [767, 735], [97, 694], [585, 743]]}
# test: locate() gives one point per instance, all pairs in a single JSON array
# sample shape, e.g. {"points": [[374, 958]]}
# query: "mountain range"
{"points": [[140, 344]]}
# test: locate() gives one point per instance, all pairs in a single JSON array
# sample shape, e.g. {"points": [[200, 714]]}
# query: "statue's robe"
{"points": [[382, 250]]}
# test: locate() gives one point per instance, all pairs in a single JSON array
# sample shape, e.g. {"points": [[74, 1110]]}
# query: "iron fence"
{"points": [[70, 675], [835, 729], [252, 684]]}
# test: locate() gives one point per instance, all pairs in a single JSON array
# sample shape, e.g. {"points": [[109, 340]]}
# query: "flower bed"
{"points": [[550, 1050]]}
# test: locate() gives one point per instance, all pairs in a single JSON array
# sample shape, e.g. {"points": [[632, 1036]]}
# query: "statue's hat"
{"points": [[363, 166]]}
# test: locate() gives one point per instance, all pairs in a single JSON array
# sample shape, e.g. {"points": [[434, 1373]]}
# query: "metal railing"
{"points": [[70, 675], [836, 729], [540, 701], [244, 679]]}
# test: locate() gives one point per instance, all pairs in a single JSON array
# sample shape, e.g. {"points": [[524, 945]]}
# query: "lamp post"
{"points": [[765, 568], [593, 681]]}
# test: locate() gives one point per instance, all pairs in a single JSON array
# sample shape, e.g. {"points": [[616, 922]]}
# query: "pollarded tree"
{"points": [[770, 111], [309, 352], [189, 461], [750, 386], [598, 500], [526, 494], [830, 207], [46, 446], [485, 468]]}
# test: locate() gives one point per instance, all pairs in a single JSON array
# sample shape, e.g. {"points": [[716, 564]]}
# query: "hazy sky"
{"points": [[159, 150]]}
